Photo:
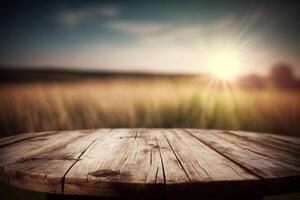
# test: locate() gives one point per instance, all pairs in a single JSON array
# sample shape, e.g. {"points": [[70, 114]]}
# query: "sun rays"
{"points": [[225, 64]]}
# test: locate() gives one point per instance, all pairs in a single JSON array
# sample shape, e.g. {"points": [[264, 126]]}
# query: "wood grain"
{"points": [[207, 170], [276, 171], [288, 143], [21, 137], [163, 163], [42, 164]]}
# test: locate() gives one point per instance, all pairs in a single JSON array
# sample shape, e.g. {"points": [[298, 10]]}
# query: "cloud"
{"points": [[173, 30], [172, 43], [136, 28], [157, 46], [75, 17]]}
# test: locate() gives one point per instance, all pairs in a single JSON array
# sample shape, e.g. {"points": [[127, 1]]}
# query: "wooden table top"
{"points": [[169, 162]]}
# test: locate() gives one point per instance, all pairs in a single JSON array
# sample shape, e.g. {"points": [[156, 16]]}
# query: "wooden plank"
{"points": [[200, 157], [33, 146], [209, 172], [260, 148], [142, 172], [128, 172], [143, 164], [100, 166], [277, 175], [267, 140], [43, 168], [21, 137], [173, 170], [289, 139]]}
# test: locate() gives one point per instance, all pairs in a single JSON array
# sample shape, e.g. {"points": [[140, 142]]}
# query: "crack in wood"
{"points": [[156, 174], [162, 165], [288, 142], [104, 173], [209, 178], [263, 143], [136, 133], [151, 157], [119, 172], [62, 145], [135, 136], [28, 138], [21, 160], [225, 156], [64, 176], [177, 158], [271, 158]]}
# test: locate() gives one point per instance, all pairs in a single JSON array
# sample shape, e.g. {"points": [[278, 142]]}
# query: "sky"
{"points": [[149, 36]]}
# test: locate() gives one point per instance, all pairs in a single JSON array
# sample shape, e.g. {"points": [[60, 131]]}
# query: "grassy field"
{"points": [[143, 102]]}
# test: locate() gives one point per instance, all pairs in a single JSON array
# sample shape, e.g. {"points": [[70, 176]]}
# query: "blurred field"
{"points": [[145, 102], [142, 102]]}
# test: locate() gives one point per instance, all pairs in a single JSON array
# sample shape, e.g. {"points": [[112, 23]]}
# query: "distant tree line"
{"points": [[281, 76]]}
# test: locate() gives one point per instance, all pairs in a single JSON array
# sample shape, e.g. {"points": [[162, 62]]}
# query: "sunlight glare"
{"points": [[224, 65]]}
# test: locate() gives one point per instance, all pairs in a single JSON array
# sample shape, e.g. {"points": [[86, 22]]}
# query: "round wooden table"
{"points": [[152, 163]]}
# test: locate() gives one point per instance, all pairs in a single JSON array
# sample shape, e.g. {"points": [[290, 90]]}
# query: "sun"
{"points": [[224, 64]]}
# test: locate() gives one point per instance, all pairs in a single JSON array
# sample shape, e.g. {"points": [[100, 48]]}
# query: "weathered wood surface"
{"points": [[152, 162]]}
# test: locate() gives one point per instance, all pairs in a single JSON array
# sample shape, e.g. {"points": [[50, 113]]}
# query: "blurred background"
{"points": [[193, 64]]}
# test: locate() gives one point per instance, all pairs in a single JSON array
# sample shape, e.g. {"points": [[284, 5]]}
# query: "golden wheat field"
{"points": [[145, 102]]}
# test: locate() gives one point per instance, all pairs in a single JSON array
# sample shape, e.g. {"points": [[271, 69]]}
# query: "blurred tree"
{"points": [[282, 76], [252, 81]]}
